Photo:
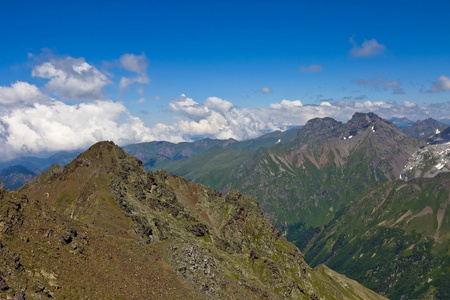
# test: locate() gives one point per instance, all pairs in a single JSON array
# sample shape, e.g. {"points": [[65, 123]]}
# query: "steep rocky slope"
{"points": [[430, 160], [138, 235]]}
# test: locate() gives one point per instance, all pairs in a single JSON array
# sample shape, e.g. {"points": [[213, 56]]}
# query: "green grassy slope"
{"points": [[394, 239]]}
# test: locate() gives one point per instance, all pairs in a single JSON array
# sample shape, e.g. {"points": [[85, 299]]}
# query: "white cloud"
{"points": [[21, 93], [443, 84], [367, 49], [217, 104], [188, 107], [266, 90], [72, 78], [66, 127], [286, 104], [407, 103], [311, 69], [137, 64]]}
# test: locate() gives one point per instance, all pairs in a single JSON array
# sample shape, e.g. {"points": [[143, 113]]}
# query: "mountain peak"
{"points": [[316, 131], [107, 156], [365, 117], [321, 124]]}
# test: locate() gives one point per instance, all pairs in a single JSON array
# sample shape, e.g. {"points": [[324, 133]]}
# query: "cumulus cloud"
{"points": [[72, 78], [21, 93], [286, 104], [310, 69], [443, 84], [59, 126], [367, 49], [188, 107], [137, 64]]}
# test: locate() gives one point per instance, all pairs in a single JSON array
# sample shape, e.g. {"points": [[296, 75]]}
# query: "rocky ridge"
{"points": [[147, 235], [424, 129]]}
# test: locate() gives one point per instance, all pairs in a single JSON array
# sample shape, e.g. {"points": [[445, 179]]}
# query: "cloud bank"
{"points": [[33, 120]]}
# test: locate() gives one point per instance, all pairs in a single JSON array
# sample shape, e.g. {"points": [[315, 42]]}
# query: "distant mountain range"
{"points": [[401, 122], [16, 172], [156, 155], [15, 176], [424, 129]]}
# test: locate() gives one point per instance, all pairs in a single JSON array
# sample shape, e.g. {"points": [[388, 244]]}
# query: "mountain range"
{"points": [[321, 177], [424, 129], [104, 228]]}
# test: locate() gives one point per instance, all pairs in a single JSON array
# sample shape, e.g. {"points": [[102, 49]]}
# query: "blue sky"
{"points": [[178, 70]]}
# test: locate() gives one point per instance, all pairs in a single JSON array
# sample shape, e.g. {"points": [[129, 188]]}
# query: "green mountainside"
{"points": [[306, 180], [138, 235], [395, 239]]}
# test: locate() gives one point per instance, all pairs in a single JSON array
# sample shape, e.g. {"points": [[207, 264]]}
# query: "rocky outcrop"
{"points": [[431, 159]]}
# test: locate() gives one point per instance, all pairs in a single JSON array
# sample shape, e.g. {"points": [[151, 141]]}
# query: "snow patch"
{"points": [[279, 141], [439, 166], [437, 131]]}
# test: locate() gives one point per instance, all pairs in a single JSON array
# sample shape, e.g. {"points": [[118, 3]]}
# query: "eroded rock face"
{"points": [[430, 160]]}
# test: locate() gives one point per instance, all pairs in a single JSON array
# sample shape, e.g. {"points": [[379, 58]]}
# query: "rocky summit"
{"points": [[104, 228]]}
